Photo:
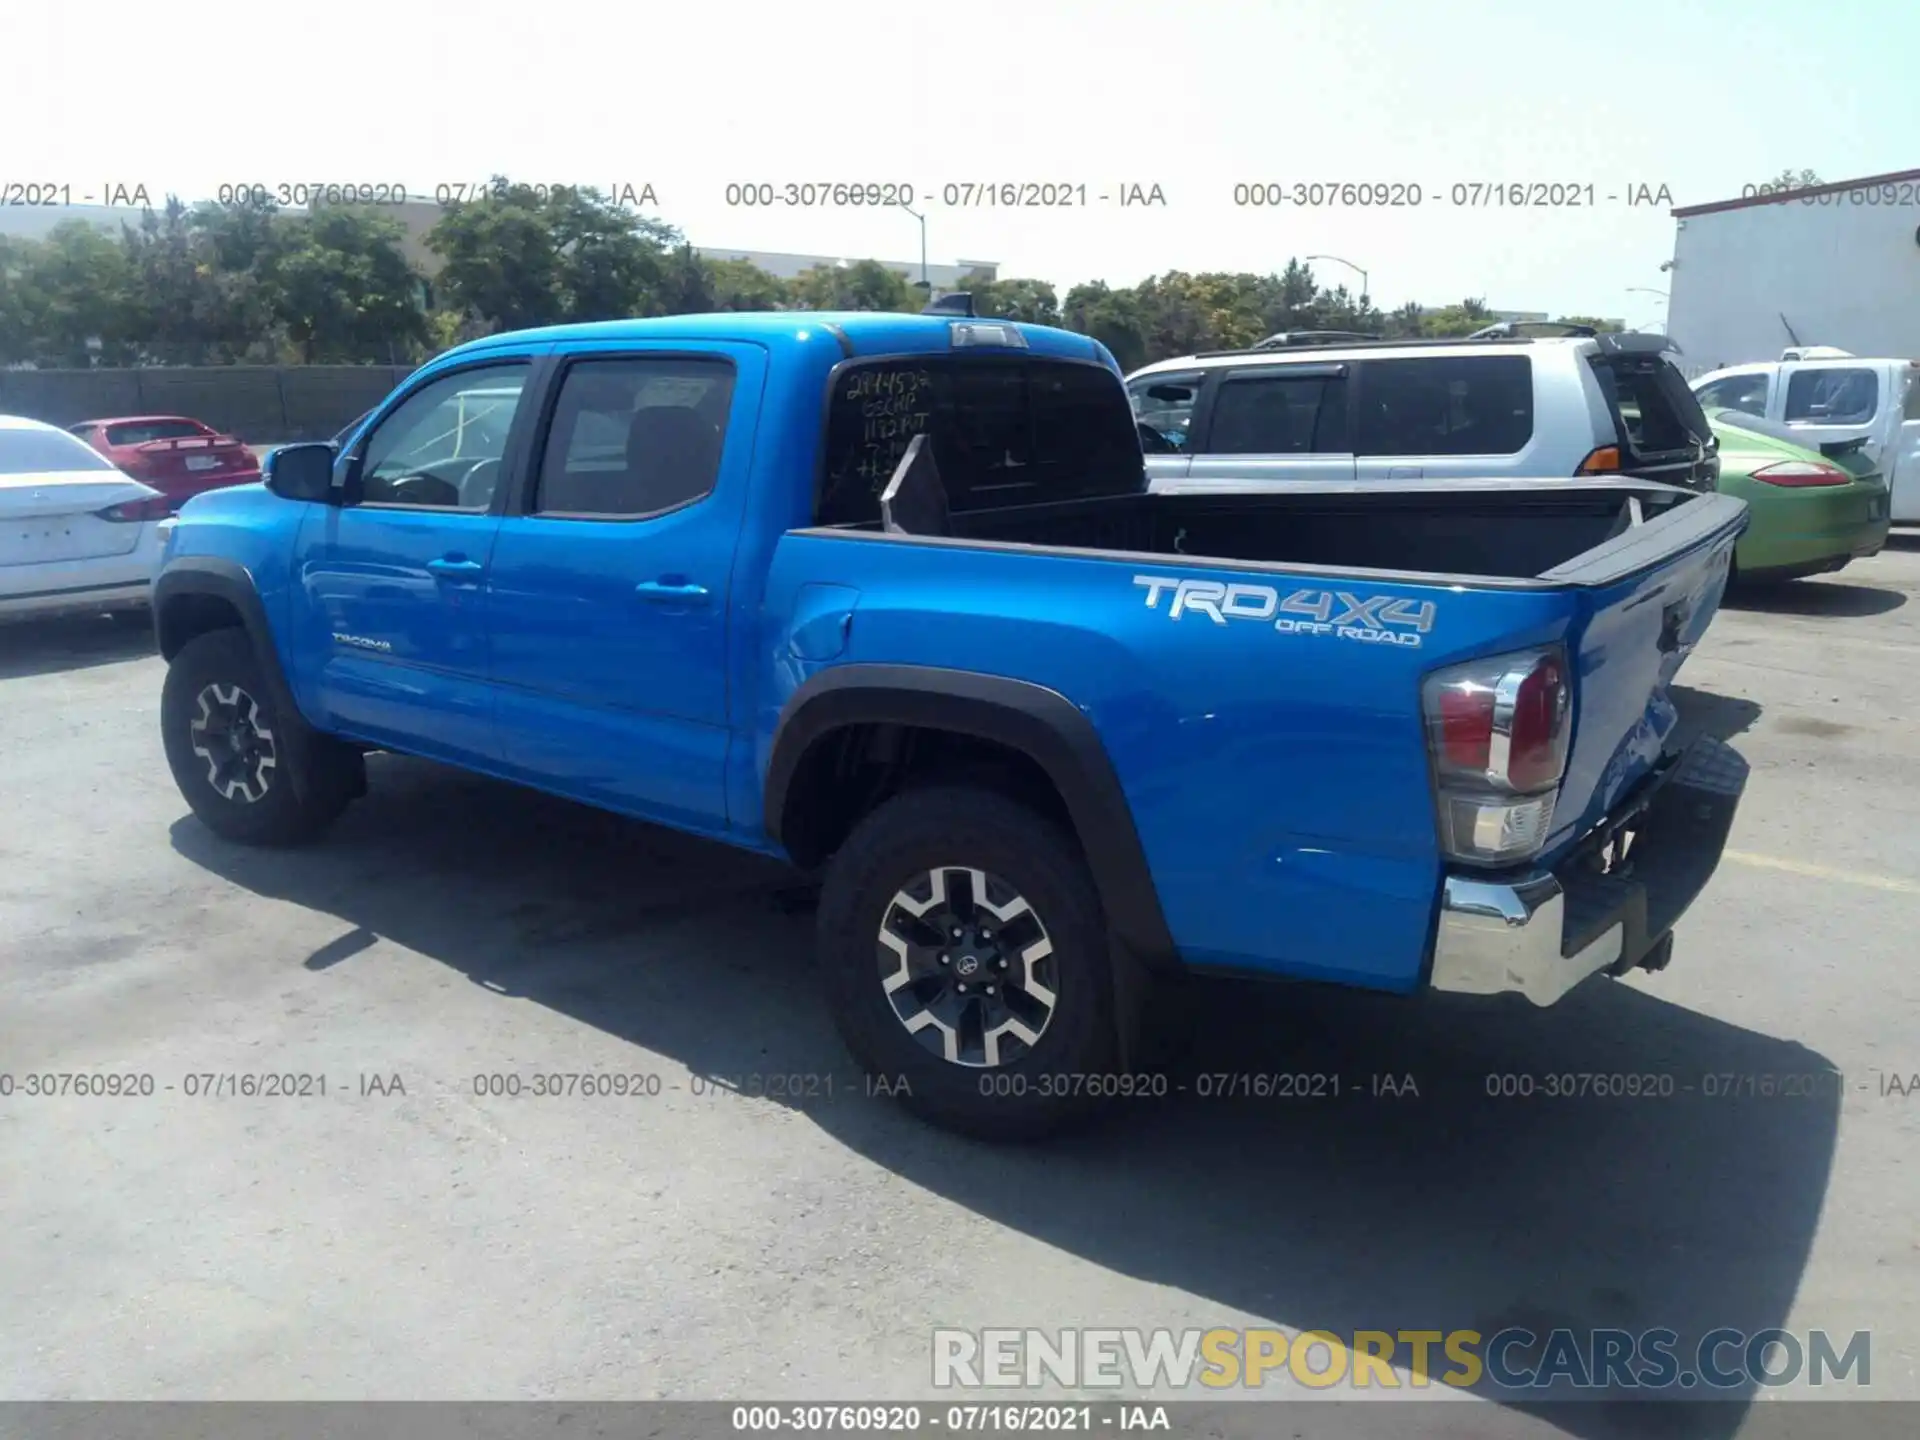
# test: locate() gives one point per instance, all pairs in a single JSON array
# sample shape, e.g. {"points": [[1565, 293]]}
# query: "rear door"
{"points": [[1439, 417], [611, 578], [1260, 424]]}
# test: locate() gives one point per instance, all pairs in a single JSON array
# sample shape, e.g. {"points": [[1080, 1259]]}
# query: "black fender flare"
{"points": [[228, 581], [1038, 722]]}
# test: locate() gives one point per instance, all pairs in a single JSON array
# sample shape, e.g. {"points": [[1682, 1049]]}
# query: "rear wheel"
{"points": [[227, 748], [965, 957]]}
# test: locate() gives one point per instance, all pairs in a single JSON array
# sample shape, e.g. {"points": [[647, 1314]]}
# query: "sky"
{"points": [[1701, 97]]}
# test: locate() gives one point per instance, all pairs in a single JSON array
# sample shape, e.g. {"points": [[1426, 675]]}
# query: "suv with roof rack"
{"points": [[1516, 400]]}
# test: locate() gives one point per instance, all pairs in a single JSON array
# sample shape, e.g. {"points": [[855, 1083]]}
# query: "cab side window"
{"points": [[442, 448], [634, 436]]}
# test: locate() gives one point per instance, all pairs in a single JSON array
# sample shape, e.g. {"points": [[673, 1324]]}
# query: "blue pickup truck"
{"points": [[887, 596]]}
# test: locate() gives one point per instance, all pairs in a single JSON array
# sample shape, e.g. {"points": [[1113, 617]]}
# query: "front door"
{"points": [[612, 575], [390, 593]]}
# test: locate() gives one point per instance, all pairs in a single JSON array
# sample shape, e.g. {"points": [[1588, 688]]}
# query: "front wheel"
{"points": [[965, 957], [227, 747]]}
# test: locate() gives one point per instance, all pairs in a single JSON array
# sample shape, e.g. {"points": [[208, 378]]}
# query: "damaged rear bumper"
{"points": [[1539, 933]]}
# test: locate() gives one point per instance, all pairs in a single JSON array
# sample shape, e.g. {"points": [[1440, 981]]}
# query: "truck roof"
{"points": [[856, 332]]}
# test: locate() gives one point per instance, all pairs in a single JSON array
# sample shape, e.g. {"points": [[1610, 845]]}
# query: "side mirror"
{"points": [[301, 472]]}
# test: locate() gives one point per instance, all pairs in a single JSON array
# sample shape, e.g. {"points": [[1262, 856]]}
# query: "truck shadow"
{"points": [[73, 642], [1703, 712], [1426, 1182], [1815, 597]]}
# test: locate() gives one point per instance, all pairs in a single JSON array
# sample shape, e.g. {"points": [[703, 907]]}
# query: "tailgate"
{"points": [[1646, 598]]}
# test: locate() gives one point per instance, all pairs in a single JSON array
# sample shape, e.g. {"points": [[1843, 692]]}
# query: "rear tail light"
{"points": [[1603, 461], [156, 508], [1497, 730], [1801, 474]]}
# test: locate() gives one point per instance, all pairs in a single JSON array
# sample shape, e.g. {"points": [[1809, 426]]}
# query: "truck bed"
{"points": [[1514, 530]]}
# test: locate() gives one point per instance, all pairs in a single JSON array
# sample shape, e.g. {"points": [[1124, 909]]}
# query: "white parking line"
{"points": [[1823, 872]]}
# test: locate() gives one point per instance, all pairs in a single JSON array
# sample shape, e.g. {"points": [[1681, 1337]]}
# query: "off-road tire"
{"points": [[1057, 1082], [215, 676]]}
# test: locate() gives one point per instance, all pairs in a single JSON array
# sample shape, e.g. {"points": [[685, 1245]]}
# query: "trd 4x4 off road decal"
{"points": [[1373, 619]]}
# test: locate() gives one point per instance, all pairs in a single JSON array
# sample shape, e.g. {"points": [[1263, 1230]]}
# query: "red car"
{"points": [[176, 456]]}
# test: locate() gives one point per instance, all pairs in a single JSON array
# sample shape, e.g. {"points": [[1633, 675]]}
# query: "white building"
{"points": [[1831, 264]]}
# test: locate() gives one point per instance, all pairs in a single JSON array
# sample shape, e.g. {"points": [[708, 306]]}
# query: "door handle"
{"points": [[671, 592], [455, 567]]}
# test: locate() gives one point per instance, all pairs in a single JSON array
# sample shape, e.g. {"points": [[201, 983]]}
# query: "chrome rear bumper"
{"points": [[1539, 933]]}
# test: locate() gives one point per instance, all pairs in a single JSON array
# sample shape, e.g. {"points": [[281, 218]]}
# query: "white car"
{"points": [[1832, 396], [76, 534]]}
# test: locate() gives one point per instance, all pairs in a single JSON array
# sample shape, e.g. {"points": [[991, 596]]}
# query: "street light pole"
{"points": [[924, 282], [1366, 288]]}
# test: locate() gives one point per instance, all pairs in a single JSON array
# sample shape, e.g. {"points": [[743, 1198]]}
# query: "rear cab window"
{"points": [[1004, 431], [1444, 405], [633, 437]]}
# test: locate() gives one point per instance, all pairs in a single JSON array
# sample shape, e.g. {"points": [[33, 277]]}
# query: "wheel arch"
{"points": [[197, 594], [1027, 729]]}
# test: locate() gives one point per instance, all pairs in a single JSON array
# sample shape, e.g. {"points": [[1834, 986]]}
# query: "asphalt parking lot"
{"points": [[403, 1237]]}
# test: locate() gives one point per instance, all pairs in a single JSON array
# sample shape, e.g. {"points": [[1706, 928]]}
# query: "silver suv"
{"points": [[1496, 405]]}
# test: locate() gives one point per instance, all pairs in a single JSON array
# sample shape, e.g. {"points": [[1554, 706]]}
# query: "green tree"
{"points": [[1110, 316], [182, 307], [1031, 301], [687, 284], [1462, 319], [519, 256], [743, 285], [1789, 179], [339, 286], [861, 285], [1404, 321], [1605, 327], [21, 325], [76, 286]]}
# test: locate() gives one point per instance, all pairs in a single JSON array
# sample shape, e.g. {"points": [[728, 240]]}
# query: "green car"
{"points": [[1811, 512]]}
